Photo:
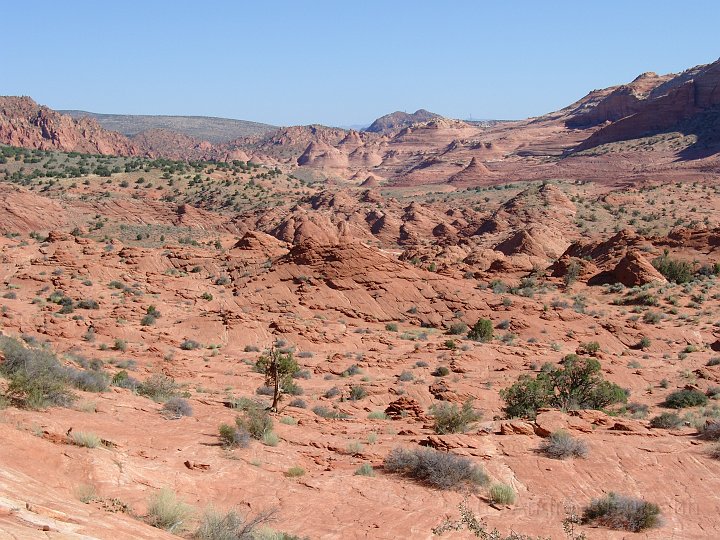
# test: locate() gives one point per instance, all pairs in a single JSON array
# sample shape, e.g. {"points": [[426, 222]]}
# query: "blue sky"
{"points": [[342, 63]]}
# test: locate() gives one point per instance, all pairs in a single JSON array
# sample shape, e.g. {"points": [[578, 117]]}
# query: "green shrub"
{"points": [[673, 269], [436, 469], [231, 437], [190, 345], [441, 371], [85, 439], [685, 398], [331, 414], [578, 384], [88, 304], [295, 472], [256, 421], [591, 348], [357, 393], [666, 420], [166, 511], [451, 419], [158, 387], [482, 331], [36, 377], [365, 470], [622, 512], [502, 494]]}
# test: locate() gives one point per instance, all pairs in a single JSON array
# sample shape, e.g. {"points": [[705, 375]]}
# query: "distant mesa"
{"points": [[394, 122], [203, 128]]}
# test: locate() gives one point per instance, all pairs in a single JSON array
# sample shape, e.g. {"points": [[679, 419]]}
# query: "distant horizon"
{"points": [[334, 64], [355, 126]]}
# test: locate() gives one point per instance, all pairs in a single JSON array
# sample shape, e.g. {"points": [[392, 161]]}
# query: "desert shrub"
{"points": [[685, 398], [298, 403], [158, 387], [441, 371], [303, 373], [123, 380], [233, 437], [591, 348], [482, 330], [265, 390], [84, 438], [666, 420], [673, 269], [331, 414], [166, 511], [365, 470], [710, 431], [391, 327], [622, 512], [36, 377], [406, 376], [292, 388], [177, 407], [562, 445], [502, 494], [351, 371], [377, 415], [270, 438], [87, 304], [713, 361], [230, 525], [651, 317], [714, 451], [294, 472], [644, 343], [251, 348], [436, 469], [636, 410], [357, 393], [222, 280], [190, 345], [449, 418], [148, 320], [332, 392], [88, 381], [457, 329], [578, 384], [256, 421]]}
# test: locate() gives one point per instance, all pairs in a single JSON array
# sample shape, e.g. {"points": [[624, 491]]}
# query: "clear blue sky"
{"points": [[341, 62]]}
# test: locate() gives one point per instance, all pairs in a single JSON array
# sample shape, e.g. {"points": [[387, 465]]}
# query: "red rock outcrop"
{"points": [[25, 123]]}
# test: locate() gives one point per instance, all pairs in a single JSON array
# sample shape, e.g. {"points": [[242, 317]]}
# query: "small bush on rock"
{"points": [[436, 469], [562, 445], [622, 512]]}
